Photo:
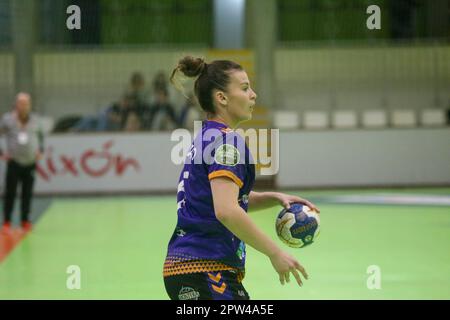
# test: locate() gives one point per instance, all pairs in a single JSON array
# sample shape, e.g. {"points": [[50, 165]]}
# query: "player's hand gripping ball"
{"points": [[298, 226]]}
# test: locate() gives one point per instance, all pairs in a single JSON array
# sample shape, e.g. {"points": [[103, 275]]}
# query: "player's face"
{"points": [[240, 97]]}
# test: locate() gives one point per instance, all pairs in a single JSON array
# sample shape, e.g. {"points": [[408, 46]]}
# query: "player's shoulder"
{"points": [[222, 144], [231, 147]]}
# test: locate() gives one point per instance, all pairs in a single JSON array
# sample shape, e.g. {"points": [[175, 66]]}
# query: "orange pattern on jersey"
{"points": [[176, 266], [215, 278], [226, 130], [228, 174], [220, 289]]}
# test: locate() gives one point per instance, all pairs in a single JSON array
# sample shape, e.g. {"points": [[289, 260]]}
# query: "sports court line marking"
{"points": [[395, 199]]}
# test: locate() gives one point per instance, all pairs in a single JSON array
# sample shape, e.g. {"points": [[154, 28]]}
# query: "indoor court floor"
{"points": [[118, 245]]}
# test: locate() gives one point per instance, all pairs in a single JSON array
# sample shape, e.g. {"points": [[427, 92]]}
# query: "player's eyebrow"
{"points": [[244, 83]]}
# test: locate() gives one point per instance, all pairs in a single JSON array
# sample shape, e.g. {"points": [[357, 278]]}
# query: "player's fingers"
{"points": [[281, 279], [286, 275], [297, 277], [286, 204], [302, 270], [306, 202], [312, 206], [316, 209]]}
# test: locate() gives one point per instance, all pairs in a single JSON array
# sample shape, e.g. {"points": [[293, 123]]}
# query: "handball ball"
{"points": [[298, 226]]}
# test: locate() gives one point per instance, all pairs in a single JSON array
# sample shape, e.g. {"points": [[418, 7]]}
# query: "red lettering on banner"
{"points": [[122, 164], [50, 164], [88, 163], [69, 165], [41, 172]]}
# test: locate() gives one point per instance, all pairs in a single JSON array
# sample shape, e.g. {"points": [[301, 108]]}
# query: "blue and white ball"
{"points": [[298, 226]]}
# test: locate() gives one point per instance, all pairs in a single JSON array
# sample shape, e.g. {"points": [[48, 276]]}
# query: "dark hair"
{"points": [[136, 78], [214, 75]]}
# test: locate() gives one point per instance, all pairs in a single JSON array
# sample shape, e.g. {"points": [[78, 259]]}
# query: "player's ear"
{"points": [[221, 98]]}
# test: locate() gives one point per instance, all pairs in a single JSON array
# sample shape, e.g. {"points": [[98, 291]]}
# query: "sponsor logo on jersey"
{"points": [[227, 155], [244, 199], [180, 232], [188, 293]]}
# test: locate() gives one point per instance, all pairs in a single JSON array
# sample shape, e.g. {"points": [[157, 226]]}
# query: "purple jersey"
{"points": [[200, 242]]}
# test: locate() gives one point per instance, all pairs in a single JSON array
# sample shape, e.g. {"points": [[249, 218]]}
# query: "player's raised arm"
{"points": [[233, 217]]}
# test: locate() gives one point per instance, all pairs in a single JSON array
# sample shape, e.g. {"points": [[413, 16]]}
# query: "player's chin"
{"points": [[247, 117]]}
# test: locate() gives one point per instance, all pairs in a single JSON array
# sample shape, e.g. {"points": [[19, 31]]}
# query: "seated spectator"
{"points": [[136, 88], [86, 124], [132, 122], [160, 82], [189, 113], [113, 118], [162, 114], [66, 123], [448, 115]]}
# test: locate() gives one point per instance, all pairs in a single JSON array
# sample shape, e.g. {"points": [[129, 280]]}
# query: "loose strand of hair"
{"points": [[177, 83]]}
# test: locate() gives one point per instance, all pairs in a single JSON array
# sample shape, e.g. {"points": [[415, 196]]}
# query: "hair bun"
{"points": [[191, 67]]}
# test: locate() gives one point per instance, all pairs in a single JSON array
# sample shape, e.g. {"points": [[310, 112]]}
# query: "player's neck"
{"points": [[228, 122]]}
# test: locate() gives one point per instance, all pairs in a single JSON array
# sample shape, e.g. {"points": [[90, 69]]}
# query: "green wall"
{"points": [[153, 21]]}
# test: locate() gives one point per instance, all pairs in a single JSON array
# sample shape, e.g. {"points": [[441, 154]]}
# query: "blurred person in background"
{"points": [[112, 118], [136, 89], [133, 122], [162, 113], [160, 82], [115, 117], [24, 140], [448, 114], [189, 113]]}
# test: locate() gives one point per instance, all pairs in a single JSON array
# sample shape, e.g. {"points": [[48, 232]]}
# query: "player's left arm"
{"points": [[264, 200]]}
